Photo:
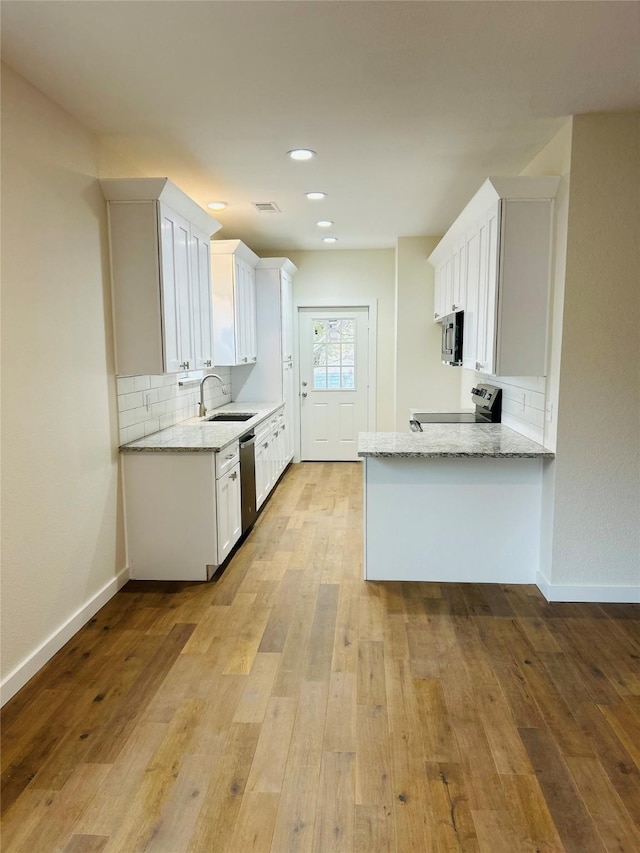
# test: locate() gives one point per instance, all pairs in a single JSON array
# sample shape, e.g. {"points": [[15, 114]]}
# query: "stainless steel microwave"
{"points": [[452, 333]]}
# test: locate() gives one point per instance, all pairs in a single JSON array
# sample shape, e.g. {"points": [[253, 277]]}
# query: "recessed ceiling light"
{"points": [[301, 154], [217, 205], [329, 239], [316, 196], [324, 223]]}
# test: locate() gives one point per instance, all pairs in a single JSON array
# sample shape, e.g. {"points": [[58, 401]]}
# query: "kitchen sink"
{"points": [[232, 417]]}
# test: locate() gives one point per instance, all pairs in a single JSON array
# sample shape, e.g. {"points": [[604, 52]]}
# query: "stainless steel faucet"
{"points": [[203, 408]]}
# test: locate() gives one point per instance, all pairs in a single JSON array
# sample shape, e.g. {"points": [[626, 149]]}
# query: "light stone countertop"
{"points": [[452, 441], [196, 435]]}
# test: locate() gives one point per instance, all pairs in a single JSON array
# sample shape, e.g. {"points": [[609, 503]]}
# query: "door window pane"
{"points": [[334, 354]]}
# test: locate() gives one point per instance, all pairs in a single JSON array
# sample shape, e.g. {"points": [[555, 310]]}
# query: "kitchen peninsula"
{"points": [[456, 502]]}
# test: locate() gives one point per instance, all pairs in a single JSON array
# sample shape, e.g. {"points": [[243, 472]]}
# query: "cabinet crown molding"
{"points": [[493, 190], [159, 189], [235, 247], [277, 264]]}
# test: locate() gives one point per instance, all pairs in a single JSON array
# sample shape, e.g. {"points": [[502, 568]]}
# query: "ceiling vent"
{"points": [[266, 207]]}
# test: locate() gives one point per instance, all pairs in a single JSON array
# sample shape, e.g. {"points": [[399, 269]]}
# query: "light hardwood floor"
{"points": [[289, 706]]}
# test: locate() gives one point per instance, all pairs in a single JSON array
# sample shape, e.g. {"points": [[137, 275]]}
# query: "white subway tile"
{"points": [[167, 421], [537, 400], [141, 414], [127, 418], [141, 383], [129, 401], [123, 436], [170, 379], [161, 408], [134, 432], [151, 426], [125, 384], [156, 381]]}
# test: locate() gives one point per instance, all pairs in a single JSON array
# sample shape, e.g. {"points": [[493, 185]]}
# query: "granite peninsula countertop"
{"points": [[452, 441], [197, 435]]}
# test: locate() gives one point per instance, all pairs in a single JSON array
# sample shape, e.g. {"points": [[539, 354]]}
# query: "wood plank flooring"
{"points": [[289, 706]]}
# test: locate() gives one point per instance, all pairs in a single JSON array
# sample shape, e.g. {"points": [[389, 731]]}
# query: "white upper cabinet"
{"points": [[494, 263], [159, 244], [233, 288]]}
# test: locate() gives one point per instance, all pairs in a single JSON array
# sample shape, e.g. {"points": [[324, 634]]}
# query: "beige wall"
{"points": [[62, 539], [354, 276], [596, 530], [420, 376]]}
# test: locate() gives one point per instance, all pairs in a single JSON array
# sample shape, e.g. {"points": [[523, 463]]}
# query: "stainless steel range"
{"points": [[488, 403]]}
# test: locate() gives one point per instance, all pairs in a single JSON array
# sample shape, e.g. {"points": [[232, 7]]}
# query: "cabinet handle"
{"points": [[245, 358], [454, 307], [185, 365], [230, 456], [207, 363], [265, 445], [436, 315], [283, 428], [304, 394], [234, 475], [255, 358]]}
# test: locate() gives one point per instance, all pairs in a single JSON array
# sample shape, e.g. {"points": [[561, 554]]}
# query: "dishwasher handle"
{"points": [[249, 438]]}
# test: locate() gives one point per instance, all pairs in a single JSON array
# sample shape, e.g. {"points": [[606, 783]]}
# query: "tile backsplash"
{"points": [[147, 404], [523, 401]]}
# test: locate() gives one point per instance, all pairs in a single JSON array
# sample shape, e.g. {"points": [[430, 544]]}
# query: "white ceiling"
{"points": [[409, 105]]}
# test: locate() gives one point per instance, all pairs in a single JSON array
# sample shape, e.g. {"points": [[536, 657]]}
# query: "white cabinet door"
{"points": [[471, 287], [262, 470], [288, 390], [228, 512], [286, 315], [201, 300], [459, 277], [233, 287], [439, 293], [240, 310], [176, 291], [249, 338], [487, 292]]}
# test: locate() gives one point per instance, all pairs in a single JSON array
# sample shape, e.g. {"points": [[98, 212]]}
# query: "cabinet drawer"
{"points": [[227, 458]]}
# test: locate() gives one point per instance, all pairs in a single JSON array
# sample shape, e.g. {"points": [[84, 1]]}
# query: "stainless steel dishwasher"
{"points": [[248, 480]]}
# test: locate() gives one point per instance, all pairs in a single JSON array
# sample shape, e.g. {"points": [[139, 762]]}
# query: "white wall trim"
{"points": [[592, 594], [46, 650], [372, 307]]}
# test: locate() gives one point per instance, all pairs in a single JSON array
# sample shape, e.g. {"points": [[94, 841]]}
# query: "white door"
{"points": [[334, 393]]}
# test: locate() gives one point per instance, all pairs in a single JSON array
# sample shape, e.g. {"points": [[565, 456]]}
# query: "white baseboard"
{"points": [[591, 594], [46, 650]]}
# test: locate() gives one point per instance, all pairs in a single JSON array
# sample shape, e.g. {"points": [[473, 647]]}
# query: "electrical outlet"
{"points": [[147, 402]]}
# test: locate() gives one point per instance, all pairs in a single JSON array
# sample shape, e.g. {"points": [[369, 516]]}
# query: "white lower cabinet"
{"points": [[271, 454], [183, 513]]}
